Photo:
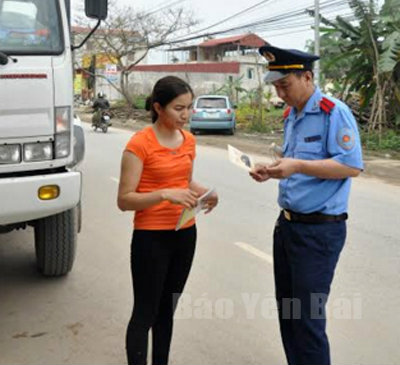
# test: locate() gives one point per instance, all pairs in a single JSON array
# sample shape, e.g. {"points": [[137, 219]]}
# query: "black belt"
{"points": [[312, 217]]}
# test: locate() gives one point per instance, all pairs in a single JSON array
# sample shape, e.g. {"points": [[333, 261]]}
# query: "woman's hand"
{"points": [[185, 197], [210, 202]]}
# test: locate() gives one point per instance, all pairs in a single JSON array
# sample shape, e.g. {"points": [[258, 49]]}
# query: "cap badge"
{"points": [[269, 56]]}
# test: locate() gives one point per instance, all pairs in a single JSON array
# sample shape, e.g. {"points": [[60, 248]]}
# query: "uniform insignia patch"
{"points": [[326, 105], [346, 138]]}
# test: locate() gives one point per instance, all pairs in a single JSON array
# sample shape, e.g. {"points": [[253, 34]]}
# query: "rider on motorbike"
{"points": [[100, 104]]}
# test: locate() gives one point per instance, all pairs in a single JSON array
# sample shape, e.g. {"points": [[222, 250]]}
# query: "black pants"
{"points": [[160, 264], [305, 257]]}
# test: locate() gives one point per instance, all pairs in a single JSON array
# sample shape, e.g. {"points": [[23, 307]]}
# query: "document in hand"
{"points": [[188, 214], [239, 158]]}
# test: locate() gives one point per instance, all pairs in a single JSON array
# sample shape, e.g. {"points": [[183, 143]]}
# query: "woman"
{"points": [[156, 182]]}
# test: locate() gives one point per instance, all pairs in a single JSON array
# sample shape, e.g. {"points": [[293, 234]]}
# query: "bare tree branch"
{"points": [[127, 36]]}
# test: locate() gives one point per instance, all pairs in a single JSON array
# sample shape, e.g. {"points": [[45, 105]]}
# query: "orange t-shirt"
{"points": [[163, 168]]}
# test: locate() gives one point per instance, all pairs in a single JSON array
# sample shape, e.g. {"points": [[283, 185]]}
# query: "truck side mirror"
{"points": [[96, 9]]}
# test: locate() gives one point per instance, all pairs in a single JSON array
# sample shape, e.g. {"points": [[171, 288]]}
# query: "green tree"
{"points": [[333, 63], [232, 87], [389, 62], [365, 53]]}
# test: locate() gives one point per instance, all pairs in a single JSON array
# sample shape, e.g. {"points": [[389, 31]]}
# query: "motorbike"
{"points": [[102, 121]]}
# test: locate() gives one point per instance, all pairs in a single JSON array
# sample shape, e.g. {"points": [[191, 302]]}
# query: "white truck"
{"points": [[40, 146]]}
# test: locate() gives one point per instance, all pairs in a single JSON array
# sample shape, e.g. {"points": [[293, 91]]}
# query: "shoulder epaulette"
{"points": [[326, 105], [286, 112]]}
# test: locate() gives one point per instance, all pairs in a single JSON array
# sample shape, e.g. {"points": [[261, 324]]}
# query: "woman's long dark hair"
{"points": [[165, 90]]}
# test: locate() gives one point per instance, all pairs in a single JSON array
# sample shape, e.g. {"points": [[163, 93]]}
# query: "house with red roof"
{"points": [[208, 66]]}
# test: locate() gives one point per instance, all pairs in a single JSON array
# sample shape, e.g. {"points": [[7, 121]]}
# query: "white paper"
{"points": [[240, 158], [275, 151], [188, 214]]}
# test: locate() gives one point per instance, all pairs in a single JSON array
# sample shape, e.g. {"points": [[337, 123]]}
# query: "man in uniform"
{"points": [[320, 153]]}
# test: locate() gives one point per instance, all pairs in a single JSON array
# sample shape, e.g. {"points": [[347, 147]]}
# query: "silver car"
{"points": [[213, 112]]}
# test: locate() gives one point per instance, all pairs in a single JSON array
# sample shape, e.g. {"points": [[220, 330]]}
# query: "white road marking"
{"points": [[255, 251], [115, 179]]}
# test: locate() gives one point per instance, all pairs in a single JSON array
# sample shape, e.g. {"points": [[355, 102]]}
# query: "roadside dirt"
{"points": [[256, 143], [381, 166]]}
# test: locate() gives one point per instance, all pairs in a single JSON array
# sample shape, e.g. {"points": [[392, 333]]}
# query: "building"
{"points": [[232, 64]]}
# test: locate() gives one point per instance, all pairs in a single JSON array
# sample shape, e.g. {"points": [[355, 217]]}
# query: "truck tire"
{"points": [[55, 242]]}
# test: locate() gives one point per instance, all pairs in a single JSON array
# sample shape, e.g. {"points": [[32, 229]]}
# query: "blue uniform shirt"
{"points": [[316, 135]]}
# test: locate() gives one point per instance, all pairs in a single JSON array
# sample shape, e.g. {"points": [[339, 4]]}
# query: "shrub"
{"points": [[389, 140], [248, 118], [139, 101]]}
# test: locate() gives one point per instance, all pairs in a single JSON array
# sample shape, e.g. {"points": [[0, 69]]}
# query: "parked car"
{"points": [[213, 112]]}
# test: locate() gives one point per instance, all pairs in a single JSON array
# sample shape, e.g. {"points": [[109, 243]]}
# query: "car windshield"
{"points": [[30, 27], [211, 103]]}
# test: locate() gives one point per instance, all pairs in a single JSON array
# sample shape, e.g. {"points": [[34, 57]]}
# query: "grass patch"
{"points": [[138, 102], [389, 140], [249, 119]]}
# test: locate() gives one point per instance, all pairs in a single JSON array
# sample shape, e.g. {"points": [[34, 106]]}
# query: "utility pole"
{"points": [[316, 42]]}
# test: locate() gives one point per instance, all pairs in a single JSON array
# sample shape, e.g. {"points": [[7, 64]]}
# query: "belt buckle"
{"points": [[286, 214]]}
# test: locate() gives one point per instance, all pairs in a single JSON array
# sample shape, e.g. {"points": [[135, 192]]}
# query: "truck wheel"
{"points": [[55, 241]]}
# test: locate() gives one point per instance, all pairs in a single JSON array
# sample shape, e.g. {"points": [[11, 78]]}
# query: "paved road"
{"points": [[227, 315]]}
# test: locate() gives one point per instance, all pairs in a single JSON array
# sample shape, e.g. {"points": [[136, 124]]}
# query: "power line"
{"points": [[280, 21], [232, 16], [291, 25], [298, 21], [294, 13], [281, 17], [299, 29], [168, 4]]}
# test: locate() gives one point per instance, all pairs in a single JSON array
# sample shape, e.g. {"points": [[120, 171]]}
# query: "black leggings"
{"points": [[160, 264]]}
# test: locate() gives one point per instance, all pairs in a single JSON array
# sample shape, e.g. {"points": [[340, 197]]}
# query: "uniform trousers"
{"points": [[160, 264], [305, 257]]}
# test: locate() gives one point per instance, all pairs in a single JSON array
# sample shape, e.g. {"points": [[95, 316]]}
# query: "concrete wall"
{"points": [[143, 82], [202, 83], [107, 89]]}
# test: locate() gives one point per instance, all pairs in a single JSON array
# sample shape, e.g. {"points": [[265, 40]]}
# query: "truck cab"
{"points": [[40, 147]]}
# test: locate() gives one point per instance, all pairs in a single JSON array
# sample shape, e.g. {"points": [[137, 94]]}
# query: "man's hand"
{"points": [[283, 168], [260, 172]]}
